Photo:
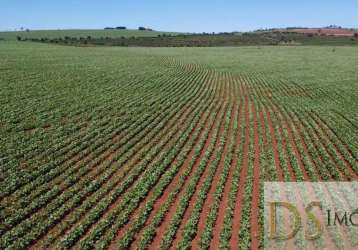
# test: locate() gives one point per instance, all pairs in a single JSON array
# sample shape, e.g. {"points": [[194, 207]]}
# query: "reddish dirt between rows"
{"points": [[225, 199], [255, 228], [210, 197], [158, 203], [235, 241], [188, 211]]}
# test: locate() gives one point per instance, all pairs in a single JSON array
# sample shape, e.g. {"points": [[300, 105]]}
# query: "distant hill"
{"points": [[329, 31], [52, 34], [283, 37]]}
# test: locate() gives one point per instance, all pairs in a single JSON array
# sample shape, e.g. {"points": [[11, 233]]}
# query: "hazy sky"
{"points": [[177, 15]]}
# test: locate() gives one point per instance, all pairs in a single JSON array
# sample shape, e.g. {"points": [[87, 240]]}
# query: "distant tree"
{"points": [[121, 28], [356, 35], [27, 30], [142, 28], [89, 37], [18, 38], [108, 28]]}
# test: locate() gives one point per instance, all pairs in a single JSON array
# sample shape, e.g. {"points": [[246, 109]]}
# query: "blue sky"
{"points": [[177, 15]]}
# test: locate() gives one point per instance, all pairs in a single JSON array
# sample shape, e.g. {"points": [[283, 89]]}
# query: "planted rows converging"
{"points": [[169, 160]]}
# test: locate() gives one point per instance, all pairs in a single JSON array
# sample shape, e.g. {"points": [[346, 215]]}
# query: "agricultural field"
{"points": [[165, 148]]}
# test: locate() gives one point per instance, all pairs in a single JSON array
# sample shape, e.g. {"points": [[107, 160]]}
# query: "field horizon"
{"points": [[57, 33]]}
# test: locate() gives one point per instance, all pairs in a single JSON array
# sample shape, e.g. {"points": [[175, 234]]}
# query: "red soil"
{"points": [[329, 243], [329, 128], [236, 222], [162, 199], [255, 228], [225, 199], [266, 146], [295, 150], [167, 218], [274, 147], [324, 147], [170, 187], [188, 211], [211, 195], [298, 128], [117, 176], [319, 136], [338, 151], [277, 162], [119, 199], [285, 152]]}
